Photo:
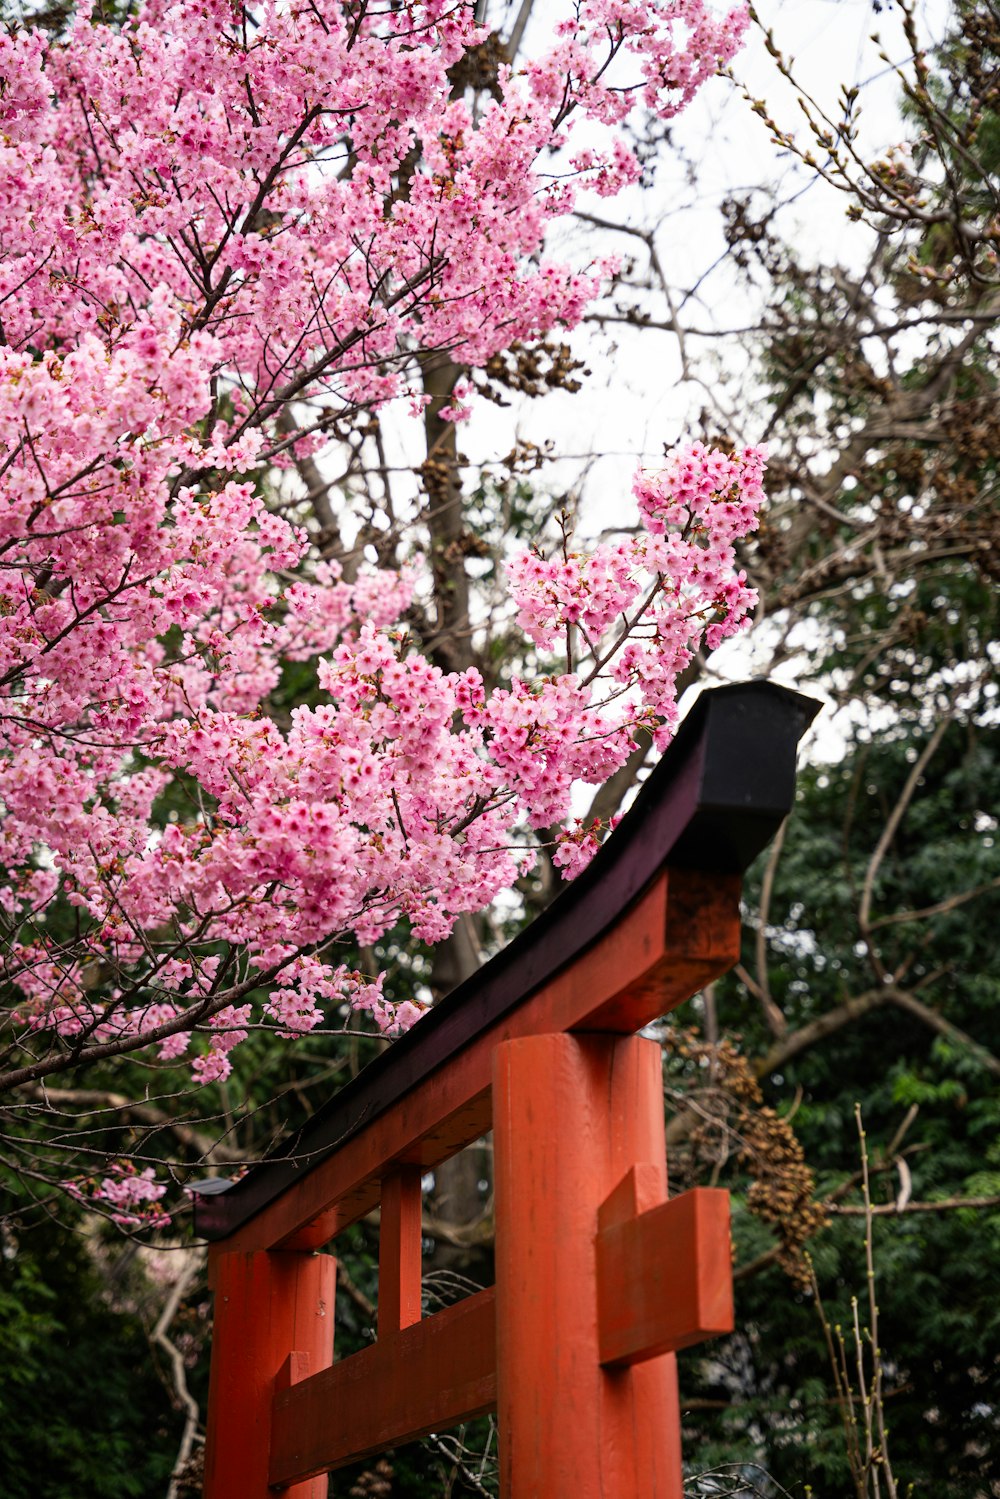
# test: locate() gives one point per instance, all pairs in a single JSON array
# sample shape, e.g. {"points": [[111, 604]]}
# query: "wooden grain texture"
{"points": [[274, 1317], [427, 1377], [683, 932], [700, 941], [572, 1114], [399, 1251], [664, 1277]]}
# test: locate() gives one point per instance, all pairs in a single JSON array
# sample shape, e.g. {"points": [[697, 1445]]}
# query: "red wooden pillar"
{"points": [[571, 1115], [274, 1320], [399, 1252]]}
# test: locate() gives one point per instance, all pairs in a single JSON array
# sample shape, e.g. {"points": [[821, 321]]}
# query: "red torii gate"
{"points": [[599, 1277]]}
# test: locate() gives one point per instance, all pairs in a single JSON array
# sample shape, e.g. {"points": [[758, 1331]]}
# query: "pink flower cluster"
{"points": [[639, 608], [202, 225], [399, 796], [131, 1194]]}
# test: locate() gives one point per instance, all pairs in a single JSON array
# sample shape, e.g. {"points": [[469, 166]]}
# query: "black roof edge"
{"points": [[714, 800]]}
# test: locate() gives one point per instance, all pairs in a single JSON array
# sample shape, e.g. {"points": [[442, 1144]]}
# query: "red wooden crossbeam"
{"points": [[599, 1277], [429, 1377], [663, 1275]]}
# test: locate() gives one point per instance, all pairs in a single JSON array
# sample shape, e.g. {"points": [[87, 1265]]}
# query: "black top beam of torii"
{"points": [[714, 800]]}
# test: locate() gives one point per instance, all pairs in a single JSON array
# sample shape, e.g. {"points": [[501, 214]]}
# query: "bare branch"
{"points": [[889, 832], [192, 1266]]}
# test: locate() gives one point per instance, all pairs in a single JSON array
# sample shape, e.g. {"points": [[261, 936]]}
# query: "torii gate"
{"points": [[599, 1277]]}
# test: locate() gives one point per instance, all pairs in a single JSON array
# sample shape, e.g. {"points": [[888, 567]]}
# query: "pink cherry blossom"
{"points": [[204, 237]]}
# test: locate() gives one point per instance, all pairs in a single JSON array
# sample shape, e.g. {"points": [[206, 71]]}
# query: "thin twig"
{"points": [[160, 1336]]}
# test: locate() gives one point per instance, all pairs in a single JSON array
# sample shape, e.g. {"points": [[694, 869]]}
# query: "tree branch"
{"points": [[160, 1336]]}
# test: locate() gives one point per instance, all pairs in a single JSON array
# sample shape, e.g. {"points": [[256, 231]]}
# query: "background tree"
{"points": [[869, 971]]}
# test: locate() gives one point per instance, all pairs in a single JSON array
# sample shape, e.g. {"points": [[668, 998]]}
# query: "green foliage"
{"points": [[939, 1315], [880, 931], [81, 1409]]}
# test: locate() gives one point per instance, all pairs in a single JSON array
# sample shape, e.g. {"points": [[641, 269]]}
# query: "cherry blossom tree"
{"points": [[227, 230]]}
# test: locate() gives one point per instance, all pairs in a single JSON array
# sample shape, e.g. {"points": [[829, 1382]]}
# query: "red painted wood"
{"points": [[578, 1129], [571, 1115], [297, 1366], [664, 1277], [399, 1251], [700, 939], [656, 957], [426, 1378], [274, 1317]]}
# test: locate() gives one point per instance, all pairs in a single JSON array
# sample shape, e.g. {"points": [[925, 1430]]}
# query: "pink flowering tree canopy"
{"points": [[224, 230]]}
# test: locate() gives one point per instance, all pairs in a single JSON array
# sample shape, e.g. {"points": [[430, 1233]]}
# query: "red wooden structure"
{"points": [[600, 1277]]}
